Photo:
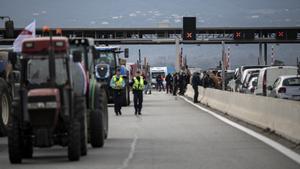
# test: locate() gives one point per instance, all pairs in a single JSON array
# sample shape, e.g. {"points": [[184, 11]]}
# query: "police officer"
{"points": [[138, 84], [117, 83]]}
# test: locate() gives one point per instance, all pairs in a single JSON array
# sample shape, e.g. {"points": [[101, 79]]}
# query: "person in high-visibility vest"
{"points": [[117, 82], [138, 83]]}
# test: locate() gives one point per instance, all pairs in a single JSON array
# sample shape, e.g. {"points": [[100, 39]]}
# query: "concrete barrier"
{"points": [[280, 116]]}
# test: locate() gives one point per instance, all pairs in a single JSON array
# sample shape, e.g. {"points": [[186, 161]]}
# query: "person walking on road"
{"points": [[148, 86], [175, 83], [182, 83], [138, 84], [159, 83], [117, 83], [195, 83], [169, 81]]}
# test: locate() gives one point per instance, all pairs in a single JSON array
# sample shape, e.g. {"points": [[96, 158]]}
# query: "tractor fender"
{"points": [[80, 81]]}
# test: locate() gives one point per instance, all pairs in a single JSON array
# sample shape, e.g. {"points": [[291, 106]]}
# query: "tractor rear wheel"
{"points": [[74, 141], [15, 136], [96, 129], [80, 111], [5, 107]]}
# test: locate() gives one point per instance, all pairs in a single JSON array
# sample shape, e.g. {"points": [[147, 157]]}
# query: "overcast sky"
{"points": [[146, 13], [152, 13]]}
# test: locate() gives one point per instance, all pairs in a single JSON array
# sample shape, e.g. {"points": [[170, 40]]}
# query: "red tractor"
{"points": [[47, 112]]}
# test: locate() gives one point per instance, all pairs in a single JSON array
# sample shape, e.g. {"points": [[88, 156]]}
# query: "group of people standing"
{"points": [[117, 83], [207, 79], [176, 83]]}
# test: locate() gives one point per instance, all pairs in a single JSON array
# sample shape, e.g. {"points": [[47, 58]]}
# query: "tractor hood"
{"points": [[47, 96], [44, 92]]}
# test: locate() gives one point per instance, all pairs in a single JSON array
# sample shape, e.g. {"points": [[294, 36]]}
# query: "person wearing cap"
{"points": [[117, 83], [138, 83]]}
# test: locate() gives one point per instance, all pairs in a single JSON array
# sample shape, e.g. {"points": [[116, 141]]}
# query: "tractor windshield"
{"points": [[38, 70], [106, 58]]}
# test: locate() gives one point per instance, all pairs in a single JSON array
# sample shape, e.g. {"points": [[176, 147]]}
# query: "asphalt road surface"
{"points": [[171, 134]]}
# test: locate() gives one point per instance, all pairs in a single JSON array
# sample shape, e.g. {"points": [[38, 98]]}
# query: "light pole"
{"points": [[223, 65], [9, 27], [140, 60]]}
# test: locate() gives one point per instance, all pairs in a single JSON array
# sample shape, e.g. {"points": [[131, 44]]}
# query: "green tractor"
{"points": [[8, 87], [106, 61], [94, 92]]}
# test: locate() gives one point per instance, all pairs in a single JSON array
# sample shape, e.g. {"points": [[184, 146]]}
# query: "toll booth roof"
{"points": [[55, 38], [108, 48]]}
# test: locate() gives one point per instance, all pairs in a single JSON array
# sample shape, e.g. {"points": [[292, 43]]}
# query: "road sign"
{"points": [[286, 35], [243, 35], [9, 29], [189, 28]]}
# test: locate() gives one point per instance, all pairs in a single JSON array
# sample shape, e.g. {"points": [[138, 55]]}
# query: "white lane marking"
{"points": [[131, 153], [284, 150]]}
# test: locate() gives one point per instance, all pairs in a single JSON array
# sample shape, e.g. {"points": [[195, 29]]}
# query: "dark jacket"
{"points": [[206, 82], [169, 79], [196, 80]]}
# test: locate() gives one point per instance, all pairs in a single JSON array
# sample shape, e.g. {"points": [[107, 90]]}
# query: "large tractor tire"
{"points": [[99, 118], [104, 100], [80, 111], [5, 107], [104, 108], [97, 135], [74, 141], [15, 136], [27, 148], [126, 96]]}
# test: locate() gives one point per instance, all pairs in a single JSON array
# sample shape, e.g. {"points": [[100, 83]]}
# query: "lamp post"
{"points": [[5, 17], [9, 27]]}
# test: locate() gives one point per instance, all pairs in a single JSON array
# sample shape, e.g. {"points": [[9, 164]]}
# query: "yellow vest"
{"points": [[119, 82], [138, 85]]}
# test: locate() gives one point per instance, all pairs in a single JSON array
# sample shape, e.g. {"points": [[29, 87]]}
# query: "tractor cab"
{"points": [[106, 61], [45, 77], [45, 63]]}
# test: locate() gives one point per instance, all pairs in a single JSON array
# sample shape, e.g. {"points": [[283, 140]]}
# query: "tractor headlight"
{"points": [[102, 71], [42, 105], [51, 105]]}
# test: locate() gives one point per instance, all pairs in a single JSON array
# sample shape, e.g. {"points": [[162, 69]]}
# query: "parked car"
{"points": [[286, 87], [239, 74], [247, 75], [268, 75], [252, 85]]}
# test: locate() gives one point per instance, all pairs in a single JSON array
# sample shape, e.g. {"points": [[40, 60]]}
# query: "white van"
{"points": [[239, 74], [155, 71], [268, 75], [246, 78]]}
